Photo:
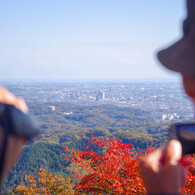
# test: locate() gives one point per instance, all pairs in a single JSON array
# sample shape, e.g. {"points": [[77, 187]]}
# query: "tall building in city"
{"points": [[100, 95], [75, 95]]}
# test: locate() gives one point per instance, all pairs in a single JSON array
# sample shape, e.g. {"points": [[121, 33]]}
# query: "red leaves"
{"points": [[67, 148], [114, 171], [190, 182]]}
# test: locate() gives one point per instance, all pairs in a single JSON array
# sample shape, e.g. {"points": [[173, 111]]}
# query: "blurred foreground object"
{"points": [[180, 57], [185, 133]]}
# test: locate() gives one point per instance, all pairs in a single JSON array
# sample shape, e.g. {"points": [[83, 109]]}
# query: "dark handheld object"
{"points": [[15, 122], [185, 133]]}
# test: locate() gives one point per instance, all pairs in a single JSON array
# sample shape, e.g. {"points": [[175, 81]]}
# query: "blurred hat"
{"points": [[180, 57]]}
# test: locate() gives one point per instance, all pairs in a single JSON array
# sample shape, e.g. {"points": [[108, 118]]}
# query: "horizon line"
{"points": [[165, 80]]}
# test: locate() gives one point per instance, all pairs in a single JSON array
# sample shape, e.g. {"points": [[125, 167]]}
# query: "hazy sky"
{"points": [[85, 39]]}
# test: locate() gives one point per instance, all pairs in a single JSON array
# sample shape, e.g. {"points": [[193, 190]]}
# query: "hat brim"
{"points": [[179, 57]]}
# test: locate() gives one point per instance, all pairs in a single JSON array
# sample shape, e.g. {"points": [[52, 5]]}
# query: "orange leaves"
{"points": [[67, 148], [44, 183]]}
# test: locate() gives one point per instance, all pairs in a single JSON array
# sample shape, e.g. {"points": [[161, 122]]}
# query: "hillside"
{"points": [[68, 119], [66, 124]]}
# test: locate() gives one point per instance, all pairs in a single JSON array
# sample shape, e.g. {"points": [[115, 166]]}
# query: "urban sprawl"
{"points": [[163, 101]]}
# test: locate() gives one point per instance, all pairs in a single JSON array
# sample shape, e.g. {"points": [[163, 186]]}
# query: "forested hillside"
{"points": [[67, 120], [66, 124]]}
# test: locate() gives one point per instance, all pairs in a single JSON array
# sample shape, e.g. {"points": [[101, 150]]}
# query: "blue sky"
{"points": [[86, 39]]}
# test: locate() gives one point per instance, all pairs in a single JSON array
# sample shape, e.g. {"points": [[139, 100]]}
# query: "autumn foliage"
{"points": [[190, 181], [44, 183], [114, 170]]}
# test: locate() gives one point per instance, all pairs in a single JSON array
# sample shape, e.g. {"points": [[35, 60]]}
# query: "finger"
{"points": [[6, 97], [173, 153], [21, 105], [183, 177], [152, 160]]}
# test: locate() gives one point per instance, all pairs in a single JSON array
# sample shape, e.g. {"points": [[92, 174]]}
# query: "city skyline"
{"points": [[87, 40], [162, 101]]}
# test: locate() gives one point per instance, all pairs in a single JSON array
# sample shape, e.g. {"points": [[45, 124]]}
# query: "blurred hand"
{"points": [[8, 98], [161, 170], [15, 143]]}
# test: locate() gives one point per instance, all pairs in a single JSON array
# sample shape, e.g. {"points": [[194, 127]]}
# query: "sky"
{"points": [[87, 39]]}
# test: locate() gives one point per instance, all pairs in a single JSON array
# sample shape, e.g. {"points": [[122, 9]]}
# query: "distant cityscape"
{"points": [[163, 101]]}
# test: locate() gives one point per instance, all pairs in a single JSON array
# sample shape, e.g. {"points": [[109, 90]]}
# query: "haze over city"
{"points": [[86, 39]]}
